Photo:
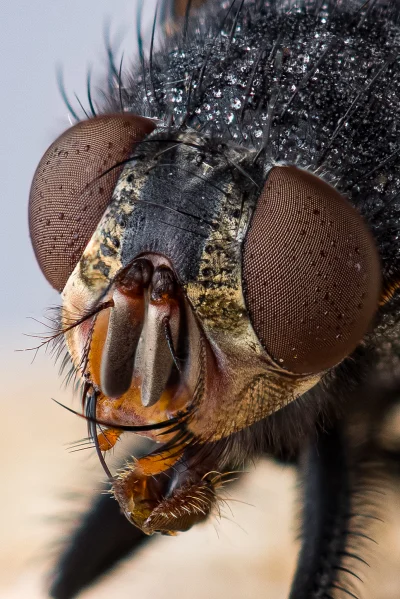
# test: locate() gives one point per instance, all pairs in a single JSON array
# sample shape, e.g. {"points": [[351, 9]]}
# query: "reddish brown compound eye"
{"points": [[71, 188], [311, 272]]}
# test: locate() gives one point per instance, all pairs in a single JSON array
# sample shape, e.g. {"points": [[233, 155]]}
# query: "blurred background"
{"points": [[251, 551]]}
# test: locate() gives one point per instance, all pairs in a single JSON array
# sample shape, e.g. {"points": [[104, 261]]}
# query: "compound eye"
{"points": [[73, 185], [311, 272]]}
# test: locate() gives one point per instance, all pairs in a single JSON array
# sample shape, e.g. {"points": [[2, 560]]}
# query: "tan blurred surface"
{"points": [[249, 553]]}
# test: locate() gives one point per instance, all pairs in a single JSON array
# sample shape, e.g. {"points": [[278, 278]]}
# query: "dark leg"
{"points": [[335, 516], [104, 537]]}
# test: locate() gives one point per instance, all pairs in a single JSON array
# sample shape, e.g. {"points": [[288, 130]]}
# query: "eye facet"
{"points": [[71, 188], [311, 272]]}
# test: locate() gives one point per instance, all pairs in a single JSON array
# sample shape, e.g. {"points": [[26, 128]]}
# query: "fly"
{"points": [[222, 233]]}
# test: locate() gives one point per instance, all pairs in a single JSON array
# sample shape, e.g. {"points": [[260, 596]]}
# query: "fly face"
{"points": [[209, 296]]}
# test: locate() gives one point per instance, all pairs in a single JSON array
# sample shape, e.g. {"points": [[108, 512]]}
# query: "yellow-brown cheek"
{"points": [[98, 339], [85, 343], [128, 409]]}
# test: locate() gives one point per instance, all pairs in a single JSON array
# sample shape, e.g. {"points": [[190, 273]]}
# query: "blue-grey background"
{"points": [[36, 36]]}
